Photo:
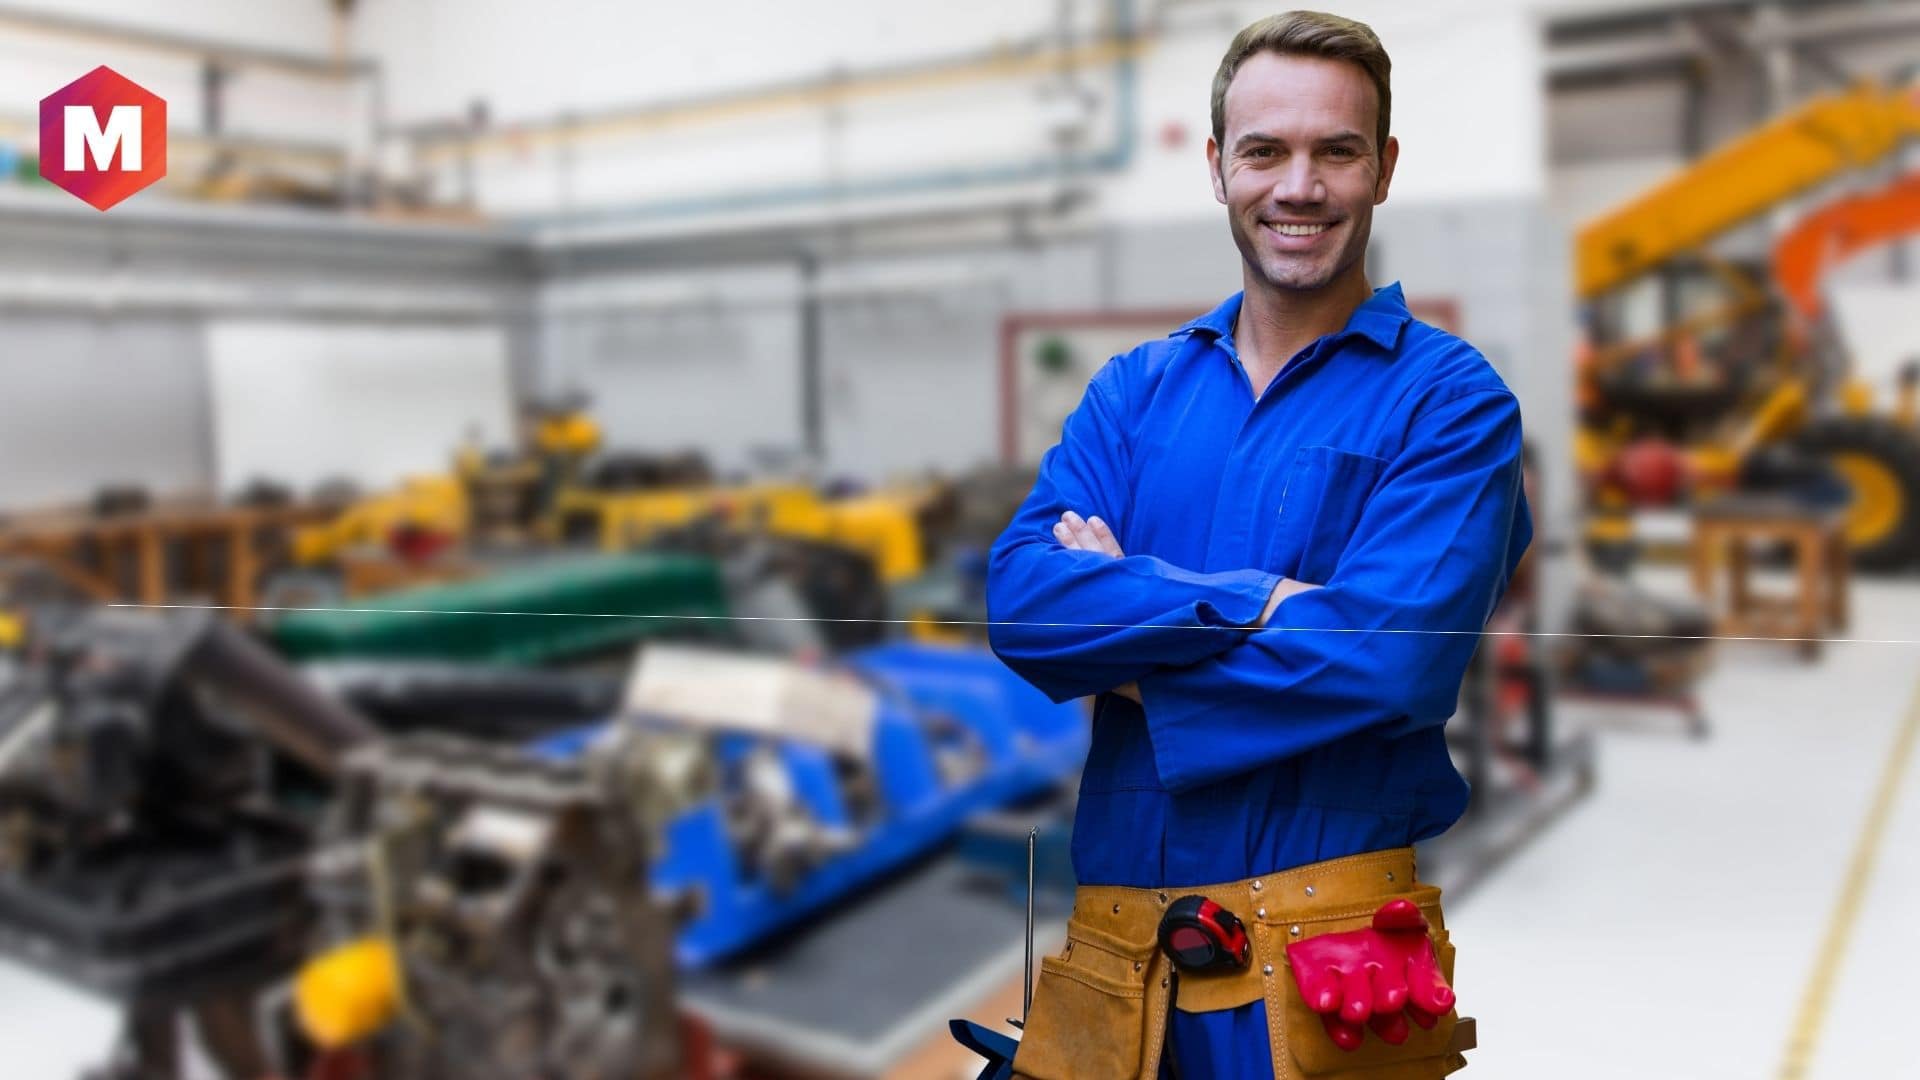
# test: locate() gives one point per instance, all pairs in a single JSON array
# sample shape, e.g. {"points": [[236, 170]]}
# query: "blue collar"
{"points": [[1378, 320]]}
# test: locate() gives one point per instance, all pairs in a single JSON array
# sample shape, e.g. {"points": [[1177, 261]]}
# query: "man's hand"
{"points": [[1086, 534], [1092, 534], [1287, 587]]}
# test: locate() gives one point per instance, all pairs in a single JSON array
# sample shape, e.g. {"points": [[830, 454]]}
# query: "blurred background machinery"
{"points": [[161, 778], [1730, 389], [495, 920]]}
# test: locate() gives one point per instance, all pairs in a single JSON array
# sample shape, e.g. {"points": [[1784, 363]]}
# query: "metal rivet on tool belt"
{"points": [[1389, 875], [1136, 965], [1262, 913], [1266, 969], [1309, 890], [1294, 929], [1116, 909], [1163, 983], [1256, 886], [1162, 896]]}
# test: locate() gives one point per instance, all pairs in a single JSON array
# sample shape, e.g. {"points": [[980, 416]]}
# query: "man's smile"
{"points": [[1296, 235]]}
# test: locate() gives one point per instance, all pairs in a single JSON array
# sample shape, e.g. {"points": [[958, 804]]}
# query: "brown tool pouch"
{"points": [[1100, 1008], [1425, 1055]]}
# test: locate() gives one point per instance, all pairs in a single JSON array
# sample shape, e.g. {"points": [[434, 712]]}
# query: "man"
{"points": [[1267, 543]]}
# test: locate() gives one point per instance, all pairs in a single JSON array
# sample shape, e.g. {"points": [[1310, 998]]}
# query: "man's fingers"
{"points": [[1080, 534], [1072, 531], [1083, 535], [1108, 543]]}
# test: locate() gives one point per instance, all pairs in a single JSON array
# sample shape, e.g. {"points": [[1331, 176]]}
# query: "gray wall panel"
{"points": [[89, 402]]}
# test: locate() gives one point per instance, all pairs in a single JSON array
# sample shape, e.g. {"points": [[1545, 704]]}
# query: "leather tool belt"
{"points": [[1100, 1008]]}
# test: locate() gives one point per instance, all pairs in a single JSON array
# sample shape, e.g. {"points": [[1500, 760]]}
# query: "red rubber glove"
{"points": [[1380, 976]]}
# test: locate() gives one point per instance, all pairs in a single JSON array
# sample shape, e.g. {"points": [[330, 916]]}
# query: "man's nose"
{"points": [[1299, 181]]}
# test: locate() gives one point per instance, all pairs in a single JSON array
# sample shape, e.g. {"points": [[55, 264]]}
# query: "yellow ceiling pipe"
{"points": [[1001, 65]]}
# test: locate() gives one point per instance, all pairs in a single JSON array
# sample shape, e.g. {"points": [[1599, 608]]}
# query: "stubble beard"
{"points": [[1294, 273]]}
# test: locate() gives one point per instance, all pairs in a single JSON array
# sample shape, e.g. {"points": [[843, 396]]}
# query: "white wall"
{"points": [[303, 403], [256, 101], [90, 402], [1469, 130], [303, 25], [704, 360]]}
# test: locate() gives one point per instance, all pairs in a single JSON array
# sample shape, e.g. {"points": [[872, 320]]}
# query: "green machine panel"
{"points": [[525, 615]]}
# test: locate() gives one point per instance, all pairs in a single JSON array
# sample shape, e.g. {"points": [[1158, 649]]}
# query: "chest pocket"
{"points": [[1326, 492]]}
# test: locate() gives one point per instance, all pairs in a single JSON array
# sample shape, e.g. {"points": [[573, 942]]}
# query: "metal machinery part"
{"points": [[793, 593], [513, 892], [776, 837], [160, 775], [486, 701]]}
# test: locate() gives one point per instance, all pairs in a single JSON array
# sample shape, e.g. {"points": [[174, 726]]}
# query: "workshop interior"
{"points": [[493, 541]]}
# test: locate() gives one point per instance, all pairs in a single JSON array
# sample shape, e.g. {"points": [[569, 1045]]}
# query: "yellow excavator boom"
{"points": [[1825, 137]]}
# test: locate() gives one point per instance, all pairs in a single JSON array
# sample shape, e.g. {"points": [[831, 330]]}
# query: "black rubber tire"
{"points": [[1897, 449]]}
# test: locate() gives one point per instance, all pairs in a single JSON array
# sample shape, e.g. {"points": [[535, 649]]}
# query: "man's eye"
{"points": [[1260, 152], [1341, 151]]}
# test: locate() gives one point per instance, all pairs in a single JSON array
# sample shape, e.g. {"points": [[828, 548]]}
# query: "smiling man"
{"points": [[1267, 544]]}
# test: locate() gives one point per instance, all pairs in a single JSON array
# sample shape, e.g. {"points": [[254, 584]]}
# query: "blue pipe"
{"points": [[1113, 158]]}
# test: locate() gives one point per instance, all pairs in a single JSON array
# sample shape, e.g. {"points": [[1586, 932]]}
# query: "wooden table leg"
{"points": [[1838, 579], [240, 573], [1811, 564], [1704, 541], [1740, 597], [151, 549]]}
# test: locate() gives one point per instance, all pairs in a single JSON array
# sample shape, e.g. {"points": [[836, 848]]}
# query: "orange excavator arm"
{"points": [[1838, 231]]}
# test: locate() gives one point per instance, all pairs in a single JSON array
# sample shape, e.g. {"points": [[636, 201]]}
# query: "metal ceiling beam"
{"points": [[1588, 52], [316, 65], [1670, 50], [1868, 22]]}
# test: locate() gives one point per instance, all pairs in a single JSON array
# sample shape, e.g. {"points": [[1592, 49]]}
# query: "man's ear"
{"points": [[1213, 172], [1389, 157]]}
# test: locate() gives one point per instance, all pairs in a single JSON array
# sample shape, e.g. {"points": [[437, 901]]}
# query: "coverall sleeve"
{"points": [[1075, 623], [1386, 642]]}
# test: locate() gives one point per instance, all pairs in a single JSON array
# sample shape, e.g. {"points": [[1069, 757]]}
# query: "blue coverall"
{"points": [[1383, 462]]}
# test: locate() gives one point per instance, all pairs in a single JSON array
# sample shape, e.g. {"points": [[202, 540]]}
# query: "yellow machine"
{"points": [[349, 993], [429, 503], [483, 495], [548, 495], [884, 525], [1687, 409]]}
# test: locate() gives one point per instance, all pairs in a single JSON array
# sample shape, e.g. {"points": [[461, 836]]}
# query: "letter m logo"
{"points": [[103, 137]]}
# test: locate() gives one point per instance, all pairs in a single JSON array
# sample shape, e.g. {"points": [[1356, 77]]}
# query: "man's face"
{"points": [[1299, 172]]}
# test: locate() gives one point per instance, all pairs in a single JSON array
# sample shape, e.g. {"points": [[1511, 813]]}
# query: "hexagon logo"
{"points": [[103, 137]]}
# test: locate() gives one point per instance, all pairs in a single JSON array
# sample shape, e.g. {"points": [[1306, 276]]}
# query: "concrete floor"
{"points": [[1670, 927]]}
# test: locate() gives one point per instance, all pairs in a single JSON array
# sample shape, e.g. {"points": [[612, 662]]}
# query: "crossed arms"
{"points": [[1247, 659]]}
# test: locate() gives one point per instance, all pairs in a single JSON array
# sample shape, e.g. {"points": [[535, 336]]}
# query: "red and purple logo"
{"points": [[103, 137]]}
